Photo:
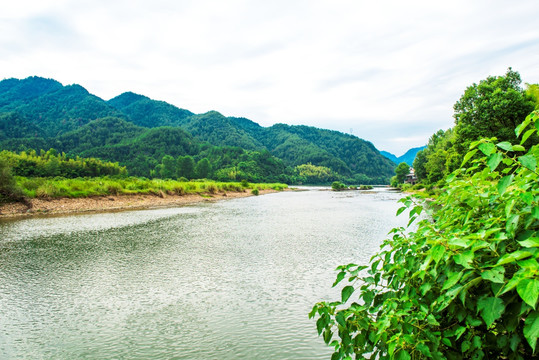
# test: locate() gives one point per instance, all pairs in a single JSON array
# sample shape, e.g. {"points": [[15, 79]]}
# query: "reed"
{"points": [[57, 187]]}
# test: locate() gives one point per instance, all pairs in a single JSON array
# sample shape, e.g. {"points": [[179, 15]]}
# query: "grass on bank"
{"points": [[48, 188]]}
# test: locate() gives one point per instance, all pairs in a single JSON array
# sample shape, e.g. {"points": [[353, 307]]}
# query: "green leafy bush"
{"points": [[465, 283], [338, 186]]}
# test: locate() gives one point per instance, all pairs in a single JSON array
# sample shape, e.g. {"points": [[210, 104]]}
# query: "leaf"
{"points": [[491, 309], [504, 183], [531, 329], [512, 224], [340, 277], [322, 322], [526, 135], [495, 275], [514, 256], [528, 161], [452, 280], [494, 160], [346, 293], [535, 212], [527, 197], [424, 349], [403, 355], [431, 320], [487, 148], [528, 289], [400, 210], [327, 336], [468, 156], [464, 259], [437, 252], [505, 145], [519, 148]]}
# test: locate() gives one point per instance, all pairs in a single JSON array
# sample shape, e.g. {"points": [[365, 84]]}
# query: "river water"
{"points": [[227, 280]]}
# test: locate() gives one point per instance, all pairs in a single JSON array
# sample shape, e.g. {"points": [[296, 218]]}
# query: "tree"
{"points": [[203, 168], [168, 167], [186, 167], [462, 285], [419, 165], [401, 171], [492, 108]]}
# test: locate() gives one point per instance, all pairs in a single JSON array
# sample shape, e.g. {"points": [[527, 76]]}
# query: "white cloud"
{"points": [[390, 70]]}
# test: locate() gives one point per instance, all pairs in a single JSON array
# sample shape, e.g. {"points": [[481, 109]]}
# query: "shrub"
{"points": [[337, 186], [9, 191], [255, 192], [465, 284], [212, 188]]}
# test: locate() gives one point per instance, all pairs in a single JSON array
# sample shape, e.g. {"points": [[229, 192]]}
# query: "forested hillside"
{"points": [[142, 134]]}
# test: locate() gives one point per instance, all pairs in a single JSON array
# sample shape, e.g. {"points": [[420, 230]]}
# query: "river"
{"points": [[228, 280]]}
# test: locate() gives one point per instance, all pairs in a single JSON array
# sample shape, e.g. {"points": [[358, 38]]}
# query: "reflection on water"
{"points": [[228, 280]]}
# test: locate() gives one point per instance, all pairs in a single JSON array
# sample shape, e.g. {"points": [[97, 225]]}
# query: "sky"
{"points": [[386, 71]]}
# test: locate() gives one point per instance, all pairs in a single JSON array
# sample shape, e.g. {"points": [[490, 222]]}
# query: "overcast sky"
{"points": [[387, 71]]}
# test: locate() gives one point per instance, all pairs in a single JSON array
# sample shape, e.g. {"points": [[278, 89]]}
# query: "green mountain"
{"points": [[143, 111], [138, 132], [50, 107], [408, 157]]}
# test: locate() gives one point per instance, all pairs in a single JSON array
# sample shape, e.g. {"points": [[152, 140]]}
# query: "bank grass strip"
{"points": [[49, 188]]}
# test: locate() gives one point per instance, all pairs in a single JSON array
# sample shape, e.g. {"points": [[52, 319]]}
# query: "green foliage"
{"points": [[9, 191], [145, 112], [186, 167], [203, 169], [491, 108], [48, 188], [50, 163], [465, 283], [255, 192], [313, 174], [401, 171], [338, 186], [532, 90]]}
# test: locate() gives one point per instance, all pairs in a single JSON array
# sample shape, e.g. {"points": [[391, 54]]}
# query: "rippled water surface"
{"points": [[228, 280]]}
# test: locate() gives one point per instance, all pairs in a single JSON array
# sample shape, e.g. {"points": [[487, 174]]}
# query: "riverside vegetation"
{"points": [[52, 175], [461, 281]]}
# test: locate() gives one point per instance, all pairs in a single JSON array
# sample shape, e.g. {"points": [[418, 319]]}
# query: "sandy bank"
{"points": [[111, 203]]}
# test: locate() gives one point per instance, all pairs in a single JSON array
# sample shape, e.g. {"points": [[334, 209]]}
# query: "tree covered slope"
{"points": [[138, 131]]}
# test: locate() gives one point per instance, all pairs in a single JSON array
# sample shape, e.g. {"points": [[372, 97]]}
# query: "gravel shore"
{"points": [[110, 203]]}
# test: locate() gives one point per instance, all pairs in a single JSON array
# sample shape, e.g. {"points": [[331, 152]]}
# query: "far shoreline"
{"points": [[111, 203]]}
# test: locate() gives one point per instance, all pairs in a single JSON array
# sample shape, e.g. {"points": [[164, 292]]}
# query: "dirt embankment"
{"points": [[110, 203]]}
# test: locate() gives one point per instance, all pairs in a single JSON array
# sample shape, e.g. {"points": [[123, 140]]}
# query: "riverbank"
{"points": [[65, 206]]}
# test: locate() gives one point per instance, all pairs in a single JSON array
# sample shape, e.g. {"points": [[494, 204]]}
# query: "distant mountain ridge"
{"points": [[37, 112], [408, 157]]}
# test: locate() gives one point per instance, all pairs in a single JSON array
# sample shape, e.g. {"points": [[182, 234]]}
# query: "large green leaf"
{"points": [[531, 329], [514, 256], [487, 148], [504, 183], [468, 156], [491, 309], [528, 161], [528, 289], [496, 275], [346, 293], [494, 160], [505, 145]]}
